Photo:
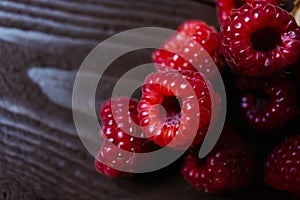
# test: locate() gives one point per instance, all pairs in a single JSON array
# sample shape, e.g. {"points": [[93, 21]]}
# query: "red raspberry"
{"points": [[260, 39], [121, 127], [120, 103], [282, 167], [226, 7], [194, 59], [229, 166], [120, 131], [161, 127], [265, 102], [109, 153]]}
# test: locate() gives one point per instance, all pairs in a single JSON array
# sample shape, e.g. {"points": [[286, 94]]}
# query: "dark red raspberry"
{"points": [[120, 111], [268, 104], [229, 166], [109, 153], [179, 119], [260, 39], [282, 167], [194, 59], [121, 127]]}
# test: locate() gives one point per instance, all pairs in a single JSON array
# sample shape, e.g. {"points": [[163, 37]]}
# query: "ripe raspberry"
{"points": [[265, 102], [194, 59], [229, 166], [121, 127], [226, 7], [124, 107], [282, 167], [260, 39], [178, 120], [109, 153], [120, 132]]}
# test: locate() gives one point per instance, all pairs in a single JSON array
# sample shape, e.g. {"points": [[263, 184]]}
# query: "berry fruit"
{"points": [[229, 166], [260, 42], [282, 167], [124, 107], [260, 39], [268, 104], [121, 125], [120, 131], [109, 153], [165, 88], [194, 58]]}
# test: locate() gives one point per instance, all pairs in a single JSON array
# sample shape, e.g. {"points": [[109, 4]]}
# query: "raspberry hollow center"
{"points": [[261, 100], [172, 106], [265, 39], [238, 3]]}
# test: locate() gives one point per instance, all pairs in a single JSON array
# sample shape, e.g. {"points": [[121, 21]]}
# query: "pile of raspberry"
{"points": [[257, 53]]}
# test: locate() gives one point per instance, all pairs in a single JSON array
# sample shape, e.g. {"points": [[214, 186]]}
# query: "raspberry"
{"points": [[229, 166], [226, 7], [282, 167], [161, 127], [265, 102], [120, 103], [194, 59], [120, 131], [260, 39], [121, 127], [109, 153]]}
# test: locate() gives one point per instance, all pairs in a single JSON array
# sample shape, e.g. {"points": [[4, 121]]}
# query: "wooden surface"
{"points": [[41, 156]]}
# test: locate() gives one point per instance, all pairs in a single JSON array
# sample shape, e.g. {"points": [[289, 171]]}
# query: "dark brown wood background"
{"points": [[41, 156]]}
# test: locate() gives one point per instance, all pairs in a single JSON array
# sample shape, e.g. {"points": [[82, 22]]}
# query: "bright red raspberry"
{"points": [[120, 131], [194, 59], [229, 166], [121, 127], [268, 104], [260, 39], [109, 153], [165, 88], [282, 167]]}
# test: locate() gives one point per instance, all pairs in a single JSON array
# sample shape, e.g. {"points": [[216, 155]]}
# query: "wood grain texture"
{"points": [[41, 156]]}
